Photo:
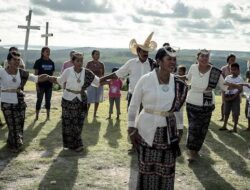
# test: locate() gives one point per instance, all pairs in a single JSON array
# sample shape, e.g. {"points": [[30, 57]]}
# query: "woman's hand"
{"points": [[134, 136]]}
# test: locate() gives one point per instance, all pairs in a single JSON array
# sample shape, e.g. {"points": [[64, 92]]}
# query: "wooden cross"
{"points": [[28, 28], [47, 34]]}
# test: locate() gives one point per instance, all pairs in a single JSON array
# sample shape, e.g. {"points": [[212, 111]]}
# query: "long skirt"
{"points": [[73, 116], [198, 120], [156, 163], [14, 115]]}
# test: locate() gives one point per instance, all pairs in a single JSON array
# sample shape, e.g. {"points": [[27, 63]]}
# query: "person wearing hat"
{"points": [[203, 78], [154, 131], [13, 80], [137, 67]]}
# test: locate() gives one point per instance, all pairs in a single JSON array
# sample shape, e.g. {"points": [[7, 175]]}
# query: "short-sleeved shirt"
{"points": [[114, 88], [96, 67], [44, 67], [234, 80], [135, 69]]}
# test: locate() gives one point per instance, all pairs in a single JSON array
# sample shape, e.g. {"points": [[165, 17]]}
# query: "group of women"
{"points": [[153, 131]]}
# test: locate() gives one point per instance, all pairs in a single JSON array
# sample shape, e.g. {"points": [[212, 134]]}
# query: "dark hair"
{"points": [[13, 48], [235, 65], [166, 44], [247, 73], [12, 55], [94, 51], [114, 69], [162, 53], [183, 68], [230, 56], [43, 50]]}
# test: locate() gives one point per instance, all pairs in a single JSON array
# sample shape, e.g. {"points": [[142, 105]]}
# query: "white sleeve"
{"points": [[221, 83], [135, 102], [190, 73], [123, 71], [96, 82], [33, 78], [63, 77]]}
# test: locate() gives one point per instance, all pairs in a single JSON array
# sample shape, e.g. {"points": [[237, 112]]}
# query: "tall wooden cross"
{"points": [[47, 34], [28, 28]]}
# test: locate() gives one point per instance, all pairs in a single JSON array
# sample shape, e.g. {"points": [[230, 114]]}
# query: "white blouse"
{"points": [[135, 69], [149, 92], [70, 77], [199, 83], [7, 83]]}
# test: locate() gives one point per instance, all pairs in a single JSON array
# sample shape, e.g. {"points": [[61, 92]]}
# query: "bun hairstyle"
{"points": [[77, 55], [13, 54], [230, 56], [165, 51]]}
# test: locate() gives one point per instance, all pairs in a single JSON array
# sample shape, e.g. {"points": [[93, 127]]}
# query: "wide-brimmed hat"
{"points": [[147, 46]]}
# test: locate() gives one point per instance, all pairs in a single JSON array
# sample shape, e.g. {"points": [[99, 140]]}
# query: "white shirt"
{"points": [[149, 92], [135, 69], [70, 77], [235, 80], [7, 83], [199, 84]]}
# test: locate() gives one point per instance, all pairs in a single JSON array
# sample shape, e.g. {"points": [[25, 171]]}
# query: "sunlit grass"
{"points": [[105, 164]]}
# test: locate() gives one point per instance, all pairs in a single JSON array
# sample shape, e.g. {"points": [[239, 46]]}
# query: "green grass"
{"points": [[224, 162]]}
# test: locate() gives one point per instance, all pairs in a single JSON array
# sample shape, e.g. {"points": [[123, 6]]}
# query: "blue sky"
{"points": [[188, 24]]}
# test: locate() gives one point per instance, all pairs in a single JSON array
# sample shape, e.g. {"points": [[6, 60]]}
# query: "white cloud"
{"points": [[104, 23]]}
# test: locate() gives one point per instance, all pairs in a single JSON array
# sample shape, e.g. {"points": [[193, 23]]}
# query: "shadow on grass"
{"points": [[63, 171], [208, 177], [236, 162], [29, 134], [113, 133], [133, 172], [91, 132], [52, 140]]}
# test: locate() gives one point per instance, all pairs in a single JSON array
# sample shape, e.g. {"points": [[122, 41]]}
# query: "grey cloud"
{"points": [[38, 12], [200, 13], [73, 19], [200, 26], [229, 12], [180, 10], [137, 19], [83, 6]]}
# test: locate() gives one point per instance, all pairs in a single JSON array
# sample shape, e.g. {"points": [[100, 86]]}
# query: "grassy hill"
{"points": [[117, 57]]}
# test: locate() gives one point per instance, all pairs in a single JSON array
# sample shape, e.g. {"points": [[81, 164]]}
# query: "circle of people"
{"points": [[157, 92]]}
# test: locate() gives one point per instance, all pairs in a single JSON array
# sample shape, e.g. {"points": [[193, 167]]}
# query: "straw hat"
{"points": [[147, 46]]}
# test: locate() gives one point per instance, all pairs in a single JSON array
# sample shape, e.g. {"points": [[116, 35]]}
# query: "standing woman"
{"points": [[13, 106], [95, 94], [203, 78], [154, 132], [74, 101], [44, 65]]}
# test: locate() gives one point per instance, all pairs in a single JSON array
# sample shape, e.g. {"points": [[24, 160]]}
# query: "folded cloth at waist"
{"points": [[160, 113], [73, 91], [11, 90]]}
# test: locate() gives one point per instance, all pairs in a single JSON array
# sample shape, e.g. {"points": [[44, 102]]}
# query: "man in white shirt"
{"points": [[137, 67]]}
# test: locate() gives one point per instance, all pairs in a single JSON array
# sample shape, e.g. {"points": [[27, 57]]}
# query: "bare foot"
{"points": [[223, 129]]}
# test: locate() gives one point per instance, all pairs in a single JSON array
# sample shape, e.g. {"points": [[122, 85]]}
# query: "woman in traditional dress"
{"points": [[203, 78], [13, 106], [74, 101], [153, 132]]}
